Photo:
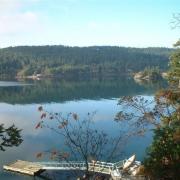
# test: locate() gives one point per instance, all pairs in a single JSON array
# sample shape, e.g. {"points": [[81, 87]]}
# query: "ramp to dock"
{"points": [[35, 168], [24, 167]]}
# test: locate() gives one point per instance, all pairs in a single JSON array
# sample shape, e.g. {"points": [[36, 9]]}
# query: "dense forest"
{"points": [[62, 61]]}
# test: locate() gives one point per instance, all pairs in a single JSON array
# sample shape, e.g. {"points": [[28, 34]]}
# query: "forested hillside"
{"points": [[67, 61]]}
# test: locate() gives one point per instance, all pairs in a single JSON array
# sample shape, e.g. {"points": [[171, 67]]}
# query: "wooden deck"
{"points": [[24, 167]]}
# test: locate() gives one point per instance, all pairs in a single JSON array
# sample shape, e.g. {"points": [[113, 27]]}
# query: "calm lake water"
{"points": [[19, 103]]}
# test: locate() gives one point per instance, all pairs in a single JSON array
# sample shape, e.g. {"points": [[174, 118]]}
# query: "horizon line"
{"points": [[45, 45]]}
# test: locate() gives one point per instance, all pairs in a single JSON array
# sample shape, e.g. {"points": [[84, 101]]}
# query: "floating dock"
{"points": [[24, 167]]}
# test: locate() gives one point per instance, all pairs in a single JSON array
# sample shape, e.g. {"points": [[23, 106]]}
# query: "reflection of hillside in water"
{"points": [[59, 91], [152, 84]]}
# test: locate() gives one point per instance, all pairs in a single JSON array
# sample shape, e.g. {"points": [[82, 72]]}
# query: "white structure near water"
{"points": [[115, 170]]}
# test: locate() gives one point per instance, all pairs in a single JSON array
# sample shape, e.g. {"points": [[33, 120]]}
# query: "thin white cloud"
{"points": [[16, 19], [18, 23], [9, 6], [60, 22]]}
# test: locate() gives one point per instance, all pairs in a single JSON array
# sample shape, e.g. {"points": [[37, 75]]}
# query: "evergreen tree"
{"points": [[163, 157]]}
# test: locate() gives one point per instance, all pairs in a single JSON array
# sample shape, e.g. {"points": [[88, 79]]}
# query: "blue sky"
{"points": [[135, 23]]}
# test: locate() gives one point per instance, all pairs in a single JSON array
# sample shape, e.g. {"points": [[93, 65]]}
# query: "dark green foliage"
{"points": [[163, 156], [174, 73], [163, 114], [94, 61], [152, 73], [9, 137]]}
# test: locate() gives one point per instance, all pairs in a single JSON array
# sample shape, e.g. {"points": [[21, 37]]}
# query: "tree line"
{"points": [[87, 61]]}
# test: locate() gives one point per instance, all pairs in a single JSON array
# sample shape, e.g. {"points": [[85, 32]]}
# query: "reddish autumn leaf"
{"points": [[39, 155], [54, 152], [38, 125], [43, 115], [40, 108]]}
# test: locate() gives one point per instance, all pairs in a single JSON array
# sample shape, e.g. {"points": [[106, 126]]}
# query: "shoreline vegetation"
{"points": [[36, 62], [149, 74]]}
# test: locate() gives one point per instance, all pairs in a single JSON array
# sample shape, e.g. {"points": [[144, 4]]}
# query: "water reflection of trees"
{"points": [[60, 90], [152, 84]]}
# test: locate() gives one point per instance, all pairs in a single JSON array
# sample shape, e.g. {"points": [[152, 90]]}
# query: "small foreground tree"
{"points": [[82, 140], [9, 137]]}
